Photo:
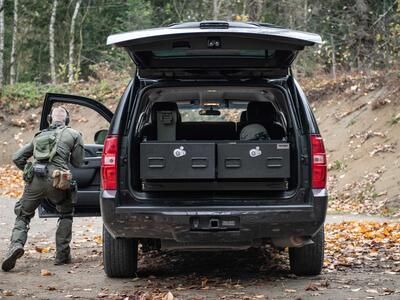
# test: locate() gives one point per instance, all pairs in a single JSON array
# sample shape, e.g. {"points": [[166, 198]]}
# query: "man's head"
{"points": [[59, 115]]}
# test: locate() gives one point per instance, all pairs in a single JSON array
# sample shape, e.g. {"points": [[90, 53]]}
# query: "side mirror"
{"points": [[100, 136]]}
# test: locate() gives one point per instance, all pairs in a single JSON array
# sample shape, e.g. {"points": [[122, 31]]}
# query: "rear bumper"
{"points": [[257, 224]]}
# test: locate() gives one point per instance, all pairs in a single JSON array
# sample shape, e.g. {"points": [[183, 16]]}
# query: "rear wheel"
{"points": [[309, 259], [119, 255]]}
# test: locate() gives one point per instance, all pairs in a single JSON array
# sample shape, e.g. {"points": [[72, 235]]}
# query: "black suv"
{"points": [[213, 146]]}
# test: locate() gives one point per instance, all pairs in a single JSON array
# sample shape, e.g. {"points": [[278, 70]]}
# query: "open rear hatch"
{"points": [[230, 48], [190, 139]]}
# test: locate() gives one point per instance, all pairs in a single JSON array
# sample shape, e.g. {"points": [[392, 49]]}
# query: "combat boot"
{"points": [[14, 252], [62, 260]]}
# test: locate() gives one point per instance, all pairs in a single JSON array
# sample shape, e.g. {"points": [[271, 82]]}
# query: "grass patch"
{"points": [[26, 95], [338, 165], [394, 120]]}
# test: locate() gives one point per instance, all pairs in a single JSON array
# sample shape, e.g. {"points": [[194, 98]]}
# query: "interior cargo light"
{"points": [[318, 162], [109, 163]]}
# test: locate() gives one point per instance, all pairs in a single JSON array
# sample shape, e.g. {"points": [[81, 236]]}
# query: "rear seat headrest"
{"points": [[261, 112], [243, 116], [164, 106]]}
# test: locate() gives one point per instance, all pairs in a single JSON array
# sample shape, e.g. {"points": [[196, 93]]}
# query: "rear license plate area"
{"points": [[211, 223]]}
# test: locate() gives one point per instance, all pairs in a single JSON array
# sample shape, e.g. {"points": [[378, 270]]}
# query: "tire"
{"points": [[120, 256], [309, 259]]}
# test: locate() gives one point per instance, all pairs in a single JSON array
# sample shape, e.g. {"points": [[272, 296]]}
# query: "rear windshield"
{"points": [[211, 111]]}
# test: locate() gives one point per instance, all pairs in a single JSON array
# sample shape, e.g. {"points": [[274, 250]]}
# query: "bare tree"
{"points": [[81, 36], [13, 60], [179, 7], [1, 42], [51, 42], [216, 8], [72, 43], [255, 9]]}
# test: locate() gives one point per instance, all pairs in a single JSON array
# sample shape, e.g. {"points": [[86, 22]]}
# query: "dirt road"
{"points": [[238, 275]]}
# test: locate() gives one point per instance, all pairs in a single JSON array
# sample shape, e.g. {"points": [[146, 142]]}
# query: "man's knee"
{"points": [[24, 209]]}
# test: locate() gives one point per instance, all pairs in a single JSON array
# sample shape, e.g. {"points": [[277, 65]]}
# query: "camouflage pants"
{"points": [[34, 192]]}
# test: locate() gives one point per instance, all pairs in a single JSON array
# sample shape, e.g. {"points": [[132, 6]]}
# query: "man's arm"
{"points": [[20, 158], [78, 152]]}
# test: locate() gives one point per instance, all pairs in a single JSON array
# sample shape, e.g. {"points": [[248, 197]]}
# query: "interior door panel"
{"points": [[87, 175]]}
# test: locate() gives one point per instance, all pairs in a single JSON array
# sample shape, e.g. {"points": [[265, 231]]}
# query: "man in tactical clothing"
{"points": [[43, 181]]}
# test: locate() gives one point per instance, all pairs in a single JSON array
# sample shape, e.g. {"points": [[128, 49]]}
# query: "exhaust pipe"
{"points": [[292, 241]]}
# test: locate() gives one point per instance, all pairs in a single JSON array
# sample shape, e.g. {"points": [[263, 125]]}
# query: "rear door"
{"points": [[87, 116], [212, 47]]}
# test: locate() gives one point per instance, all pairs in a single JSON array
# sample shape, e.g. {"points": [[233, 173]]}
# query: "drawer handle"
{"points": [[156, 162], [233, 162], [199, 162]]}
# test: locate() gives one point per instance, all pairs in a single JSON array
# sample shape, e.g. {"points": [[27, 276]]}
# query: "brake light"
{"points": [[109, 163], [318, 162]]}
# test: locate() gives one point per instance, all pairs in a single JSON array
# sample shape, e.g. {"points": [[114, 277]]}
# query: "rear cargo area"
{"points": [[215, 138]]}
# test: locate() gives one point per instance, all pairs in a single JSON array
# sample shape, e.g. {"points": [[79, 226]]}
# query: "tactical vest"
{"points": [[45, 144]]}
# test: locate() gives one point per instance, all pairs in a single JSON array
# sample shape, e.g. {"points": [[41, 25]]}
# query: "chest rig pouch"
{"points": [[40, 169]]}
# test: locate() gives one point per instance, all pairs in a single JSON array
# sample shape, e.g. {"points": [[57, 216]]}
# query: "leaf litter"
{"points": [[11, 182], [349, 245]]}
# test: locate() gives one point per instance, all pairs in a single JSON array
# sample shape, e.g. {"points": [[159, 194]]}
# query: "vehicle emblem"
{"points": [[255, 152], [179, 152]]}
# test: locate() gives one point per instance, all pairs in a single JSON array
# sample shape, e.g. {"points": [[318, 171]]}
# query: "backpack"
{"points": [[45, 144]]}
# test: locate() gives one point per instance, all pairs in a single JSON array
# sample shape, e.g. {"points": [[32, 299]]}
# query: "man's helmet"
{"points": [[254, 132]]}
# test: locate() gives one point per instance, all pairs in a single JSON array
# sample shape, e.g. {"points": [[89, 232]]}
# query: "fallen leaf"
{"points": [[45, 272], [204, 282], [312, 287], [168, 296], [102, 295], [373, 291], [42, 250], [290, 291], [8, 293]]}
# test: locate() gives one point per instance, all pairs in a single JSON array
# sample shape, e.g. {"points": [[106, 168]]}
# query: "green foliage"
{"points": [[26, 95], [395, 119], [338, 165], [363, 34]]}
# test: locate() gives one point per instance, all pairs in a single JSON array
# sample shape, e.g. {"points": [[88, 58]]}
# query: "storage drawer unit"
{"points": [[159, 160], [253, 160]]}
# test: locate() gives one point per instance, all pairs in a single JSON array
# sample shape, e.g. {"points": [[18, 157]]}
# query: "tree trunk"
{"points": [[1, 42], [333, 58], [78, 64], [216, 8], [255, 10], [72, 43], [13, 60], [51, 42]]}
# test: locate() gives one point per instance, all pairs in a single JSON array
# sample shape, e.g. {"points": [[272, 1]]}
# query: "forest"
{"points": [[59, 41]]}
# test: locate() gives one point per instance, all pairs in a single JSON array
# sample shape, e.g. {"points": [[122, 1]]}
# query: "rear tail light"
{"points": [[318, 162], [109, 163]]}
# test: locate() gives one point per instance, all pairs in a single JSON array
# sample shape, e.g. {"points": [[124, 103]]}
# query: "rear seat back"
{"points": [[263, 113], [206, 131]]}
